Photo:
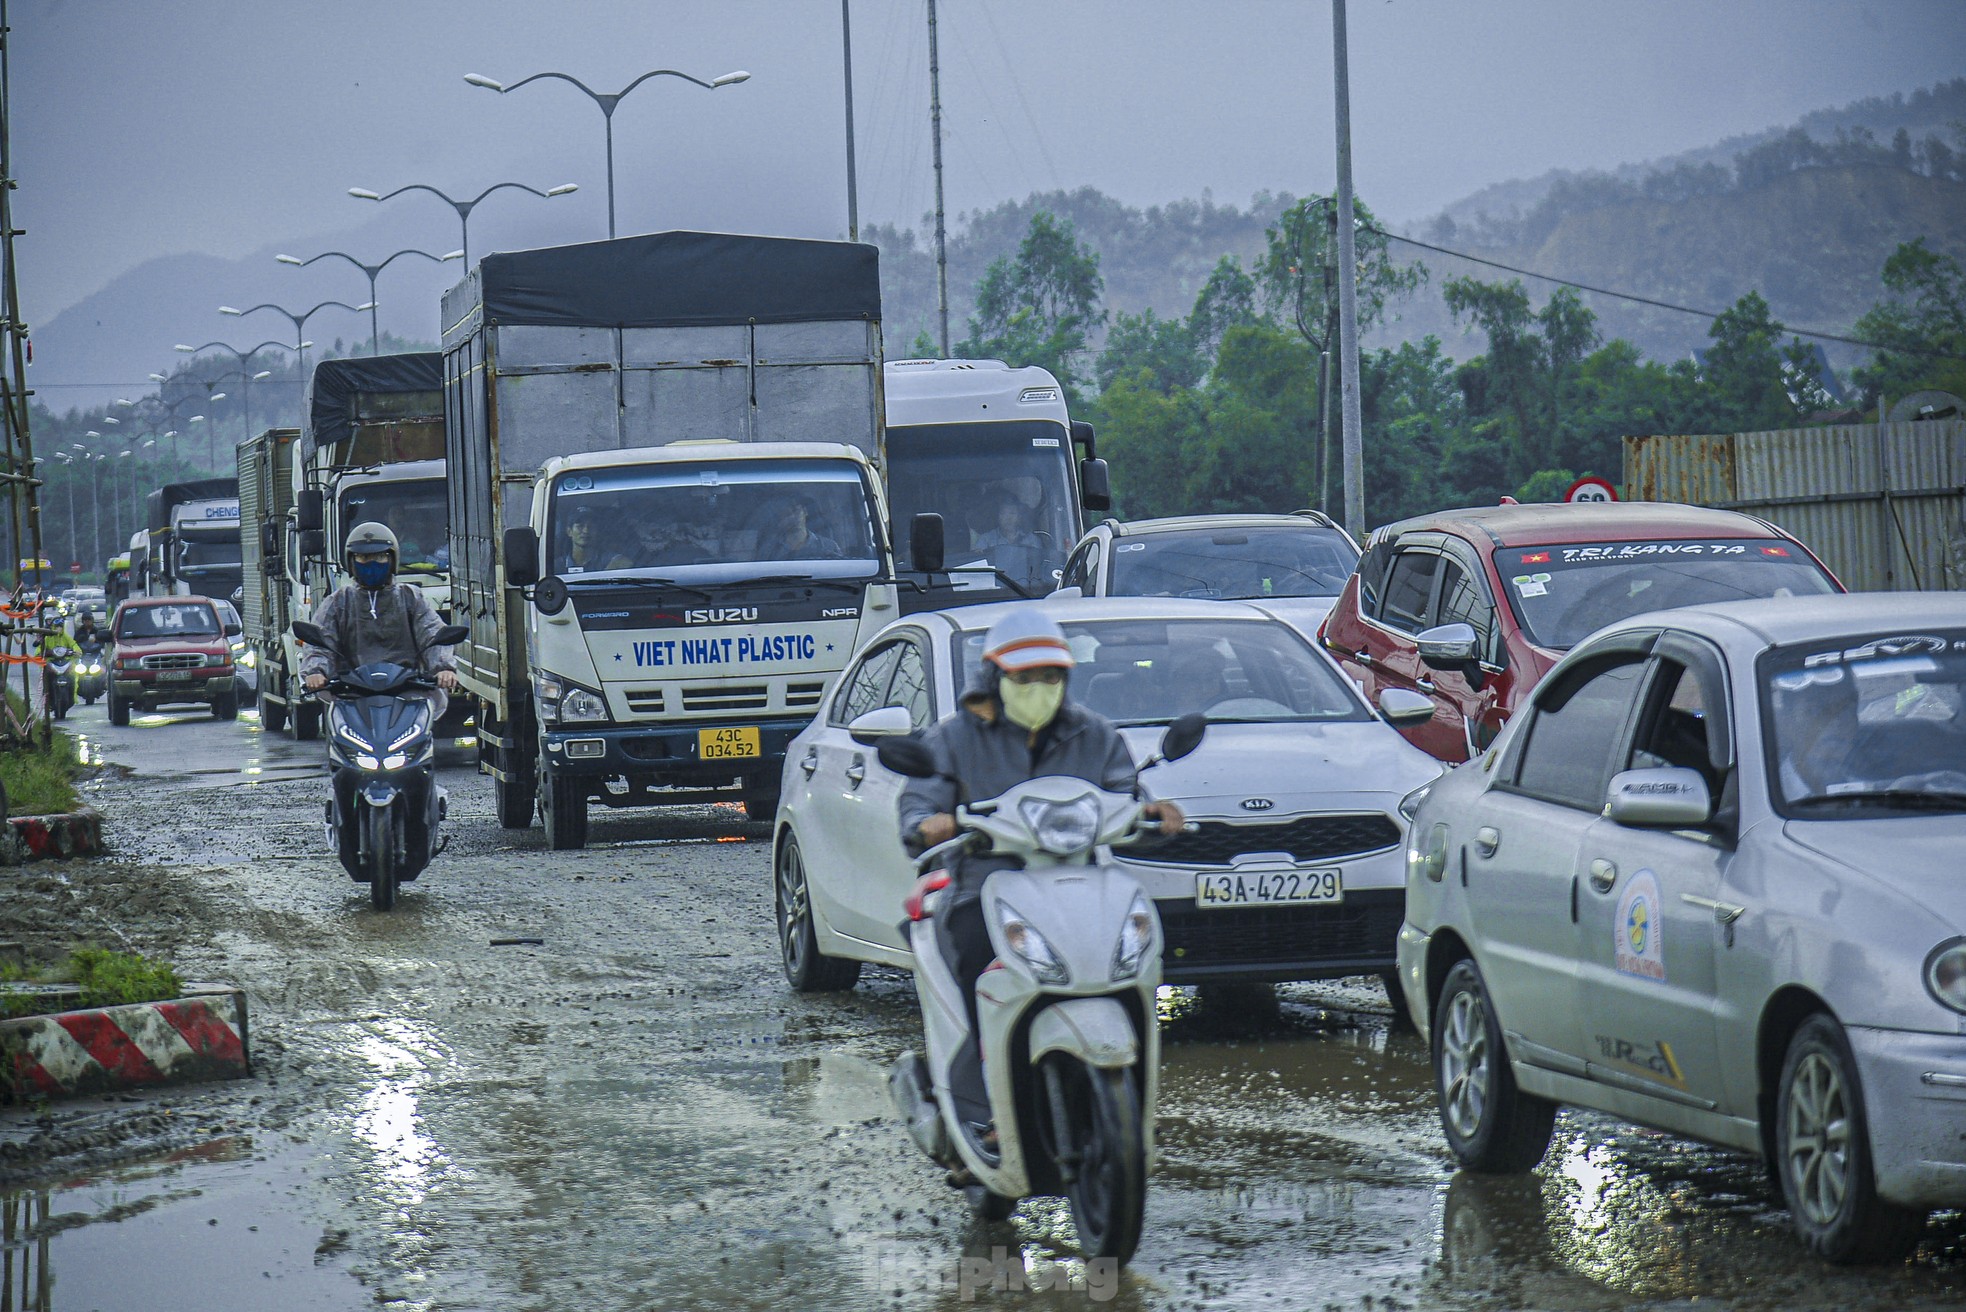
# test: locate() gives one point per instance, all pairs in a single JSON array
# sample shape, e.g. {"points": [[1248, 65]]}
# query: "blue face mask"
{"points": [[371, 573]]}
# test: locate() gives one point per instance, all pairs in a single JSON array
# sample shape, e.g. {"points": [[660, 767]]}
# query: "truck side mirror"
{"points": [[1095, 485], [1082, 437], [313, 544], [307, 510], [521, 556], [925, 545], [269, 542]]}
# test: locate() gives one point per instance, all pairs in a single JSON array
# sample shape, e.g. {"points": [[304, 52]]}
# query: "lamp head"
{"points": [[363, 193], [731, 78], [287, 259], [480, 80], [563, 189]]}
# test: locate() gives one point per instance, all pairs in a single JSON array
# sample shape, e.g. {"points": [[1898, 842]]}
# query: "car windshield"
{"points": [[1233, 671], [187, 620], [1233, 563], [415, 510], [1565, 592], [709, 523], [1005, 494], [1867, 725]]}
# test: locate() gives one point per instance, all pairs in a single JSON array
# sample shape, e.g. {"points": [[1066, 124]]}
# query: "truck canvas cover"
{"points": [[346, 395]]}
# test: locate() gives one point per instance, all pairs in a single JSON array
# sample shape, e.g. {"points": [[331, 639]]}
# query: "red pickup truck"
{"points": [[171, 650]]}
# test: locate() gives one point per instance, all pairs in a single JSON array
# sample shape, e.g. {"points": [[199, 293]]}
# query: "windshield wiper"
{"points": [[597, 581], [801, 580], [1911, 799]]}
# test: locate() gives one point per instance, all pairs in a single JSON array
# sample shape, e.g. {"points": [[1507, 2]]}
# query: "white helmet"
{"points": [[1027, 639]]}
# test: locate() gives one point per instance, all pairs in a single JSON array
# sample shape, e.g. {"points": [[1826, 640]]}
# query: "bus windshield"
{"points": [[1007, 500]]}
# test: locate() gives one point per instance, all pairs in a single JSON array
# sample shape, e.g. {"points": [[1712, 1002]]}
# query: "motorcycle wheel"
{"points": [[380, 839], [1108, 1192]]}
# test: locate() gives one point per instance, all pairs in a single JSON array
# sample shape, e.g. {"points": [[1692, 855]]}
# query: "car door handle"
{"points": [[857, 771], [1603, 875], [1425, 685], [1725, 913], [810, 761], [1362, 657], [1487, 839]]}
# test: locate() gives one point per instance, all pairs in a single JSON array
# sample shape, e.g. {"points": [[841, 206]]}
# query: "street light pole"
{"points": [[372, 270], [1348, 286], [607, 104], [852, 186], [463, 207], [247, 378], [941, 232], [299, 321]]}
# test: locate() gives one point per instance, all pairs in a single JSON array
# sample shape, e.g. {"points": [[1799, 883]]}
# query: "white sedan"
{"points": [[1292, 863], [1710, 881]]}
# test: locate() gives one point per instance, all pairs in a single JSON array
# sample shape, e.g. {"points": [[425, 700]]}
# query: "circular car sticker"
{"points": [[1639, 930]]}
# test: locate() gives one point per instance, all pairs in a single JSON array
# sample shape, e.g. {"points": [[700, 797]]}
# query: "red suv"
{"points": [[1472, 607], [171, 649]]}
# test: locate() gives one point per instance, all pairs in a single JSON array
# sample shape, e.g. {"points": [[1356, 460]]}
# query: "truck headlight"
{"points": [[1029, 945], [1945, 973], [581, 705], [1136, 935]]}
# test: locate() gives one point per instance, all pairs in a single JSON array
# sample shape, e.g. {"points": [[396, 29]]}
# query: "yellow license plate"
{"points": [[727, 744]]}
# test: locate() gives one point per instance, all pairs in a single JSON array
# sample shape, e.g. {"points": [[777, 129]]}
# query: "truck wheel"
{"points": [[563, 809], [119, 710], [225, 706], [272, 714], [517, 793], [305, 717]]}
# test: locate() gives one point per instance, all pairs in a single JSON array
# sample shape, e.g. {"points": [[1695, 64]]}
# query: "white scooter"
{"points": [[1056, 1093]]}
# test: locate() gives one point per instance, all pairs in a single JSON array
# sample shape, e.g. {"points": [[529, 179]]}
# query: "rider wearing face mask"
{"points": [[373, 619], [1015, 724]]}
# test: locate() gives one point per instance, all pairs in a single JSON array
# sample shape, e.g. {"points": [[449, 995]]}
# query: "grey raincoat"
{"points": [[394, 624]]}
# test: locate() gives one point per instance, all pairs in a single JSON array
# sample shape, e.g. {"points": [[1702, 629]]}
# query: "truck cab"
{"points": [[994, 453], [192, 546]]}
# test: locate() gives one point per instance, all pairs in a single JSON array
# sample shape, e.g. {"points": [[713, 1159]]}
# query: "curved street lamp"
{"points": [[244, 358], [463, 207], [299, 321], [607, 102], [372, 270]]}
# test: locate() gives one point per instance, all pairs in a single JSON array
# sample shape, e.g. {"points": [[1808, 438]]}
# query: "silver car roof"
{"points": [[1776, 621]]}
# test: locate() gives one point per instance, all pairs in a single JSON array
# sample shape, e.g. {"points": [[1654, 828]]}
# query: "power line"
{"points": [[1646, 300]]}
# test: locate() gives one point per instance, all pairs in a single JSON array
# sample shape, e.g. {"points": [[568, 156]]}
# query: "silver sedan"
{"points": [[1712, 883]]}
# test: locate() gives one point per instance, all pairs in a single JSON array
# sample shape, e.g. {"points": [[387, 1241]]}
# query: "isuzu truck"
{"points": [[668, 521]]}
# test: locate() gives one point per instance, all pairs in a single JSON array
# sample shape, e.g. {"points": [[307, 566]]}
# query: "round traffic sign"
{"points": [[1591, 488]]}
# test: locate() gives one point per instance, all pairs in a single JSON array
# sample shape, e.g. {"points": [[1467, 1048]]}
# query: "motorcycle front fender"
{"points": [[1097, 1031]]}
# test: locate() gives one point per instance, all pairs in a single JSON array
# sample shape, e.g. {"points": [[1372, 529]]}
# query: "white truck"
{"points": [[668, 521], [991, 452], [193, 547]]}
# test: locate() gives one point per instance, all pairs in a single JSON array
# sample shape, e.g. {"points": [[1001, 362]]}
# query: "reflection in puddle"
{"points": [[404, 1054]]}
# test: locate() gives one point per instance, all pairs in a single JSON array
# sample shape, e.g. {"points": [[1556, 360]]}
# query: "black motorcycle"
{"points": [[59, 680], [386, 807], [91, 673]]}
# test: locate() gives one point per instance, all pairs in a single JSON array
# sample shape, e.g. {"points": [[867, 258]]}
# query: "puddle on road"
{"points": [[216, 1228]]}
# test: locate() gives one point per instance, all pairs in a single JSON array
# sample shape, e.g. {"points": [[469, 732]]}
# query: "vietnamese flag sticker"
{"points": [[1536, 558], [1774, 551]]}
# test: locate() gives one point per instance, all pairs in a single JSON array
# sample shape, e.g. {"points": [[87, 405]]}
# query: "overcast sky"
{"points": [[144, 129]]}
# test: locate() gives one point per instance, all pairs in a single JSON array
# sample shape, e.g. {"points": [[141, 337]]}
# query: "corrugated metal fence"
{"points": [[1884, 505]]}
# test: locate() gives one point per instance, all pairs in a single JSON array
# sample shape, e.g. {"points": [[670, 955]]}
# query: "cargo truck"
{"points": [[668, 522], [194, 540], [272, 564], [991, 452]]}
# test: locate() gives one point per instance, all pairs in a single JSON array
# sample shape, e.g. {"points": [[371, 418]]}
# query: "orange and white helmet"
{"points": [[1027, 639]]}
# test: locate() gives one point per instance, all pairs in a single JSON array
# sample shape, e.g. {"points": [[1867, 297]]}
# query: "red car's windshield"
{"points": [[191, 620]]}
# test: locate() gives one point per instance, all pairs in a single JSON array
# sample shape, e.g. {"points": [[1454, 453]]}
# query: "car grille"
{"points": [[1363, 928], [175, 660], [1310, 838]]}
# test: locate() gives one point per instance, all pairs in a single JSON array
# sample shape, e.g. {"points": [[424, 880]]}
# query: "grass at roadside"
{"points": [[39, 781], [105, 978]]}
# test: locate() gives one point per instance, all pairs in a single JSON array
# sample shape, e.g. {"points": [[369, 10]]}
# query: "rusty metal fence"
{"points": [[1884, 505]]}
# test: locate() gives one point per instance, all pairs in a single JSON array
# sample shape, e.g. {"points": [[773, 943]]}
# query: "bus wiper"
{"points": [[598, 581]]}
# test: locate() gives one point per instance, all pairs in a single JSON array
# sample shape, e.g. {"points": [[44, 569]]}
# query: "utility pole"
{"points": [[941, 232], [1347, 286], [852, 188]]}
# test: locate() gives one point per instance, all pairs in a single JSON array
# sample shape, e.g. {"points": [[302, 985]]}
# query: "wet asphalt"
{"points": [[637, 1113]]}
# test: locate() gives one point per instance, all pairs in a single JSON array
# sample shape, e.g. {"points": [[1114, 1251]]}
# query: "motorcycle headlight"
{"points": [[1945, 973], [579, 704], [395, 760], [1062, 828], [366, 761], [1029, 945], [1136, 936]]}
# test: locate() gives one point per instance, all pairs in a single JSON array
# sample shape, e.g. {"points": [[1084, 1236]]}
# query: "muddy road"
{"points": [[635, 1112]]}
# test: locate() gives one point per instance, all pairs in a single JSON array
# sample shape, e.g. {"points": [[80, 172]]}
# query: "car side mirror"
{"points": [[1183, 736], [1403, 708], [925, 542], [450, 635], [885, 722], [521, 556], [1095, 484], [1449, 647], [308, 510], [1669, 797], [907, 756], [310, 633], [1072, 593]]}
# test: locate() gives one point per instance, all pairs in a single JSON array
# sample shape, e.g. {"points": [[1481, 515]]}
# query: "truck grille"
{"points": [[644, 701], [726, 697], [709, 699], [174, 660], [1363, 928], [803, 696], [1311, 838]]}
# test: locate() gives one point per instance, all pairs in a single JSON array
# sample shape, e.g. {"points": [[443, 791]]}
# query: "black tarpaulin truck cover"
{"points": [[672, 280], [329, 413], [176, 494]]}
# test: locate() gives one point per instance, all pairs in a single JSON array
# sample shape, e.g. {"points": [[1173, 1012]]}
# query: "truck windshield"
{"points": [[415, 511], [1006, 496], [714, 521], [202, 553], [1562, 593]]}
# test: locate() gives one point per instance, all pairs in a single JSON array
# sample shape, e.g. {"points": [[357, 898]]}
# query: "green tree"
{"points": [[1039, 307], [1753, 379], [1227, 300], [1922, 333], [1530, 369], [1161, 349], [1298, 271]]}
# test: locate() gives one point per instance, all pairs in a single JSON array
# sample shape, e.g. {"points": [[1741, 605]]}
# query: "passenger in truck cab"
{"points": [[786, 532], [424, 540], [582, 550]]}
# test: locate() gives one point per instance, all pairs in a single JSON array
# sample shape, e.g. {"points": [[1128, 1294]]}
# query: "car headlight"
{"points": [[1409, 805], [1062, 828], [1945, 973], [1029, 945], [579, 704], [1136, 935], [1429, 859]]}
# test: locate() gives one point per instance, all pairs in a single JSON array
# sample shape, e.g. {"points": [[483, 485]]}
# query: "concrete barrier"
{"points": [[200, 1036], [32, 837]]}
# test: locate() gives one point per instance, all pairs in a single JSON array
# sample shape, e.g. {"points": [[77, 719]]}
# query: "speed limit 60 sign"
{"points": [[1591, 488]]}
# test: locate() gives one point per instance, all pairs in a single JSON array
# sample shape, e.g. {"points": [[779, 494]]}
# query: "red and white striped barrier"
{"points": [[201, 1036]]}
